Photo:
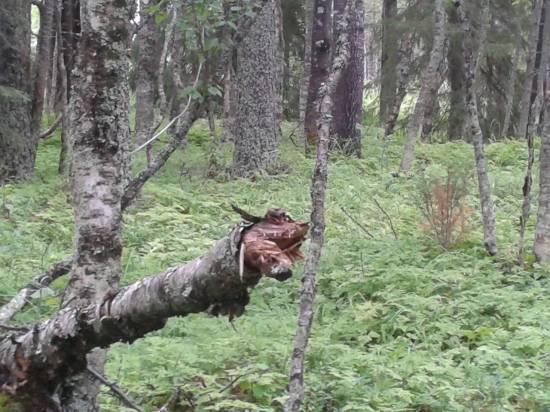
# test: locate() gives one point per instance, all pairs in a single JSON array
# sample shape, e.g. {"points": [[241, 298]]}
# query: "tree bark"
{"points": [[146, 75], [455, 58], [542, 228], [389, 60], [257, 84], [348, 97], [306, 74], [471, 57], [530, 71], [99, 139], [42, 63], [403, 72], [36, 362], [320, 62], [428, 87], [17, 144], [511, 92], [318, 194]]}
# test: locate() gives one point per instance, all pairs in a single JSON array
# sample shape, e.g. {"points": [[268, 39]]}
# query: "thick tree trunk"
{"points": [[471, 57], [42, 63], [320, 62], [348, 97], [98, 141], [528, 84], [432, 105], [455, 58], [258, 94], [17, 144], [146, 75], [389, 60], [542, 229], [428, 87]]}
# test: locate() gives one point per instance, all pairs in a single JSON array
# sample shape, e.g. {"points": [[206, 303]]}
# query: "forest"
{"points": [[274, 205]]}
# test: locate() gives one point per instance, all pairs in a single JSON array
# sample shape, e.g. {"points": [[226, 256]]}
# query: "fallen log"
{"points": [[34, 362]]}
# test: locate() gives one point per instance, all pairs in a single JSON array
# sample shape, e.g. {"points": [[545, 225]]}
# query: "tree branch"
{"points": [[116, 391], [48, 132], [43, 280], [36, 361]]}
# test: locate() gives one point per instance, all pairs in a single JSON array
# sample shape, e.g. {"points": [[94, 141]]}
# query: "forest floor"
{"points": [[401, 324]]}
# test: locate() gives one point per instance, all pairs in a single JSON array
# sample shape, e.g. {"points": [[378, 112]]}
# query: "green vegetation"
{"points": [[401, 325]]}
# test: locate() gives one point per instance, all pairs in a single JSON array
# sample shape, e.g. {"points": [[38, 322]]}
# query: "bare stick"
{"points": [[359, 224], [115, 390], [388, 216], [318, 190]]}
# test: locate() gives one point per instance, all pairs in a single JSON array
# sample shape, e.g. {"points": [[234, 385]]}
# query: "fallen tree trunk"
{"points": [[34, 362]]}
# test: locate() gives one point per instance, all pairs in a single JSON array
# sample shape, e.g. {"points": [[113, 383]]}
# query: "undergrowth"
{"points": [[401, 323]]}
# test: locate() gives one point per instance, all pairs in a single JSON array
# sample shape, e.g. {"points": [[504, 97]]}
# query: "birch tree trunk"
{"points": [[348, 97], [17, 144], [527, 90], [428, 87], [320, 62], [403, 72], [99, 139], [542, 228], [42, 63], [471, 57], [389, 58], [257, 90]]}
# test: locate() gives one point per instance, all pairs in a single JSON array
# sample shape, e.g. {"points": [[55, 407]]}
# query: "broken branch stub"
{"points": [[272, 245]]}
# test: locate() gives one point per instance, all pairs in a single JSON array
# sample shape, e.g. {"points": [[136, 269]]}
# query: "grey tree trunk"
{"points": [[542, 228], [389, 59], [428, 87], [348, 97], [403, 73], [42, 63], [146, 75], [471, 57], [455, 58], [308, 10], [17, 144], [99, 141], [320, 62], [341, 58], [510, 91], [527, 90], [258, 94]]}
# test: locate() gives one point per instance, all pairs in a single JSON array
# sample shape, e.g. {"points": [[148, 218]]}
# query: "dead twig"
{"points": [[388, 216], [359, 224], [115, 390]]}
